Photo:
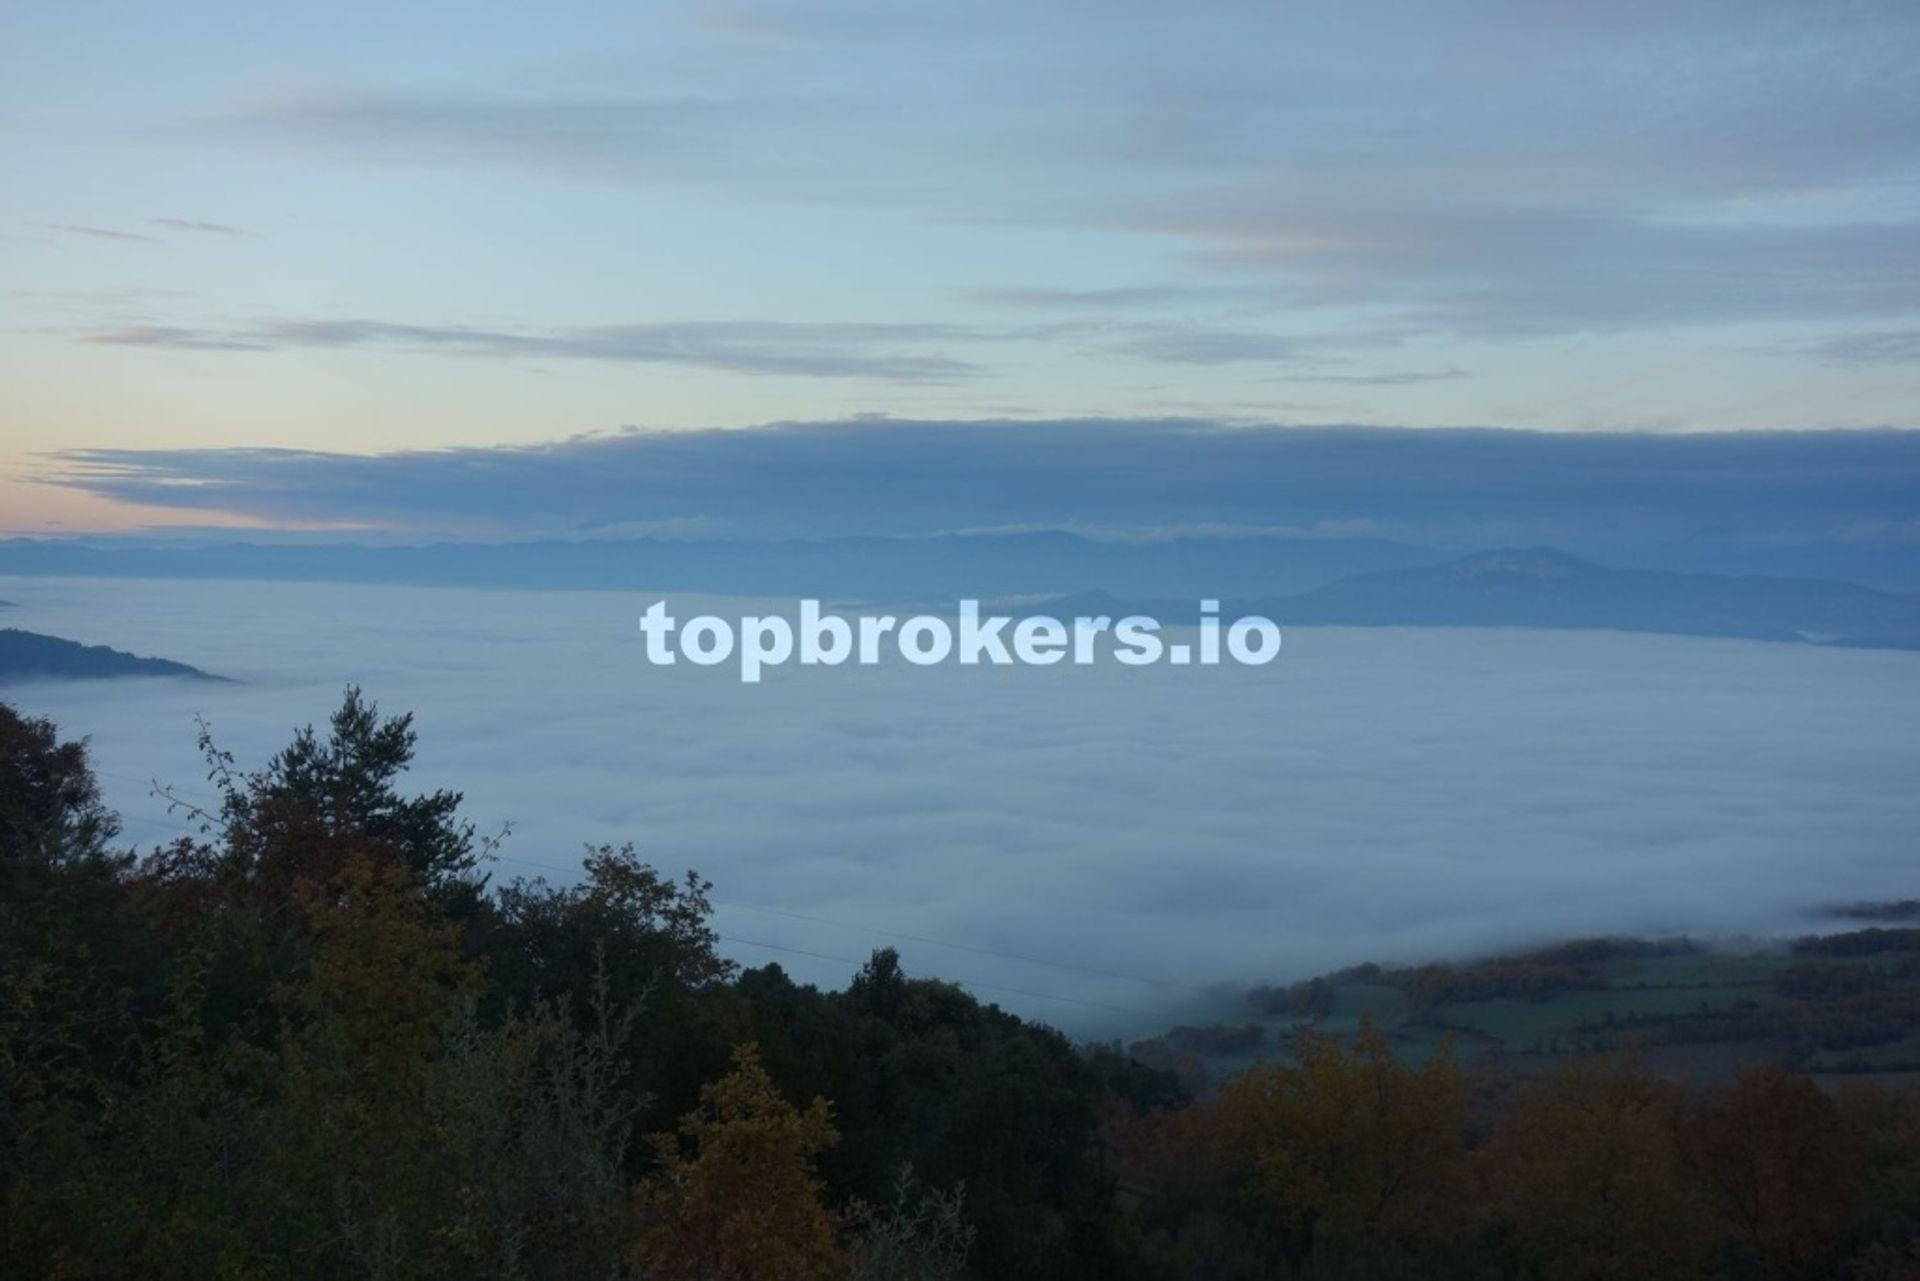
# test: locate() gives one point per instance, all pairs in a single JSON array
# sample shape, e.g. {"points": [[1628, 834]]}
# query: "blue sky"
{"points": [[360, 229]]}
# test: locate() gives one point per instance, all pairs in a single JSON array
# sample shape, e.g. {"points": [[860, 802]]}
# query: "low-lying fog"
{"points": [[1392, 794]]}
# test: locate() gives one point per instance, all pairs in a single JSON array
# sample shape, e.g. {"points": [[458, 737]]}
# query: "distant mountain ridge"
{"points": [[1295, 581], [31, 655], [1543, 587], [847, 568]]}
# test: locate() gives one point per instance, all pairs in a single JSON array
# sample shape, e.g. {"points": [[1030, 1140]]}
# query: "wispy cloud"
{"points": [[1620, 168], [193, 224], [890, 352], [97, 233], [1185, 345], [752, 347], [1115, 298], [1514, 269], [176, 337], [1888, 347], [138, 237], [1404, 378]]}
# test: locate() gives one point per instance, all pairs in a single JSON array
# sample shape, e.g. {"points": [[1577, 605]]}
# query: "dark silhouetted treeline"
{"points": [[316, 1042]]}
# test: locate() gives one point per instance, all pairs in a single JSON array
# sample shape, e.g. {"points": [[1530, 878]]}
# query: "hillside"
{"points": [[1840, 1006], [32, 656]]}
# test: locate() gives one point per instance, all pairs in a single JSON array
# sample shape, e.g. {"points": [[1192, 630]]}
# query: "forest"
{"points": [[319, 1040]]}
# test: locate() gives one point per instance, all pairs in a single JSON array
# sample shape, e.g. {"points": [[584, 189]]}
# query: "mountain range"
{"points": [[849, 568], [1542, 587], [1297, 581]]}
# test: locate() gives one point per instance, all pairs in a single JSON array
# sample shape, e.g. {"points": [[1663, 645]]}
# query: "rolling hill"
{"points": [[1844, 1007]]}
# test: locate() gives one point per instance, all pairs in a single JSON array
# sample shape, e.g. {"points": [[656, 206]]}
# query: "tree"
{"points": [[50, 810], [922, 1235], [1351, 1144], [647, 935], [74, 967], [1587, 1171], [736, 1198], [1774, 1154], [62, 931], [386, 971], [1883, 1127], [880, 988], [321, 800]]}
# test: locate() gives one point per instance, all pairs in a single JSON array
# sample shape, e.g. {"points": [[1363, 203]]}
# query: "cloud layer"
{"points": [[1454, 488], [1395, 795]]}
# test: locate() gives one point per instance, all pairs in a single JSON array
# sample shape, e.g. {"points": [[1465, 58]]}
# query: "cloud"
{"points": [[140, 238], [1598, 492], [1389, 795], [695, 135], [1517, 270], [97, 233], [1621, 102], [177, 337], [1116, 298], [191, 224], [806, 349], [1536, 171], [823, 350], [1406, 378], [1182, 345], [1885, 348]]}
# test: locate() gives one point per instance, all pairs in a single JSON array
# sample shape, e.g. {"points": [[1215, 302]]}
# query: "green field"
{"points": [[1842, 1004]]}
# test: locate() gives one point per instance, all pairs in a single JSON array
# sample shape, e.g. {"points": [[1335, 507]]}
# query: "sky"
{"points": [[353, 230], [1387, 794]]}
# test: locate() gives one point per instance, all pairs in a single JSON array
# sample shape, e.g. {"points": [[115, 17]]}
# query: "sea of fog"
{"points": [[1086, 845]]}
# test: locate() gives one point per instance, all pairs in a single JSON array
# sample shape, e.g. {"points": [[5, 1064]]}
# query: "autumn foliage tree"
{"points": [[736, 1197], [1344, 1153], [1350, 1142], [1587, 1170], [1775, 1158]]}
